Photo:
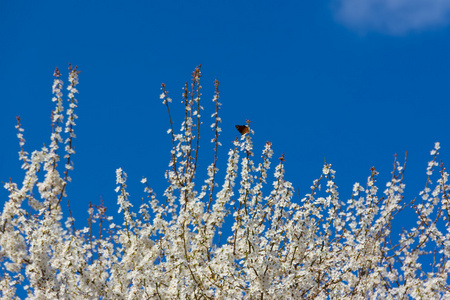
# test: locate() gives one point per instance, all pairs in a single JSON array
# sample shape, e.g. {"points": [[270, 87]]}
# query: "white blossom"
{"points": [[239, 234]]}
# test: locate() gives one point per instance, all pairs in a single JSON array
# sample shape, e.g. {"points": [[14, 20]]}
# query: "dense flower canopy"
{"points": [[316, 247]]}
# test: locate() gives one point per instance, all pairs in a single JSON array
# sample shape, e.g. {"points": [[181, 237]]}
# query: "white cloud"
{"points": [[393, 16]]}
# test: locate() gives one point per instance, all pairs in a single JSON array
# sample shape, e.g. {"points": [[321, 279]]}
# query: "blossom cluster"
{"points": [[247, 238]]}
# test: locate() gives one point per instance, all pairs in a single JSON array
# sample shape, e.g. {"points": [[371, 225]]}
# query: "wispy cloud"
{"points": [[393, 16]]}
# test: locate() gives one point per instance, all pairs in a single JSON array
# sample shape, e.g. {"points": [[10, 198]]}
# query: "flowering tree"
{"points": [[316, 247]]}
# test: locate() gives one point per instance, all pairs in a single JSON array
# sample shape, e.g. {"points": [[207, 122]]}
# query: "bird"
{"points": [[243, 129]]}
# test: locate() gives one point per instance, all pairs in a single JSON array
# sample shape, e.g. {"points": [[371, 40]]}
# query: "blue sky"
{"points": [[355, 83]]}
